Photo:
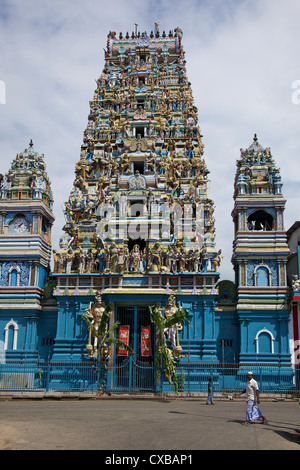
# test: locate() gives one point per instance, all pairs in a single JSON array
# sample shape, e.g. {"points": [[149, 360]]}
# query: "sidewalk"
{"points": [[60, 395]]}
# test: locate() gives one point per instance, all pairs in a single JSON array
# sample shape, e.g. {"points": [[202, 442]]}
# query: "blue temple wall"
{"points": [[71, 334], [198, 340], [23, 326], [42, 276], [227, 335], [265, 336], [215, 333], [35, 331], [46, 333]]}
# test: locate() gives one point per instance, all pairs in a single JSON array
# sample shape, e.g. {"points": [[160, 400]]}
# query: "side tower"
{"points": [[26, 219], [260, 254], [139, 221]]}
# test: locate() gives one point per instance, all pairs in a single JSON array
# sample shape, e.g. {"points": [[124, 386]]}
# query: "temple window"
{"points": [[14, 278], [264, 342], [11, 336], [136, 209], [14, 275], [262, 276], [139, 166], [140, 131], [260, 221]]}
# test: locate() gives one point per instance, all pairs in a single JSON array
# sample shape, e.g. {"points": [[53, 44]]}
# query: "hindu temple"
{"points": [[139, 232]]}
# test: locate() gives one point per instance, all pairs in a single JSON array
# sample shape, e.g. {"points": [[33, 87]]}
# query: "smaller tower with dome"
{"points": [[260, 254], [26, 220]]}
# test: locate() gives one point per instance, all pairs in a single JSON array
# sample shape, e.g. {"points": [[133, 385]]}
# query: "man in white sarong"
{"points": [[253, 413]]}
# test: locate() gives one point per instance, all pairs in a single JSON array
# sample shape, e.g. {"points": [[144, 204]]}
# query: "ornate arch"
{"points": [[264, 330]]}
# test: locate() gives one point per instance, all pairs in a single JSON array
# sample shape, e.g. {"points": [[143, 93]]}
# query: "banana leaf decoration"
{"points": [[163, 355]]}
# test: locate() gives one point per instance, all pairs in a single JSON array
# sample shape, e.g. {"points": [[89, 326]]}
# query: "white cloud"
{"points": [[242, 57]]}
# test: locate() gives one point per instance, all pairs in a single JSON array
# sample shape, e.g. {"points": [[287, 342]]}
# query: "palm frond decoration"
{"points": [[97, 319]]}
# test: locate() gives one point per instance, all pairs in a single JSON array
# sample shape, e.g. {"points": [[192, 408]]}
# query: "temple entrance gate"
{"points": [[135, 373]]}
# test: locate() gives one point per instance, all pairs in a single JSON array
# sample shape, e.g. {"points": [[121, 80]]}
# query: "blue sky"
{"points": [[242, 57]]}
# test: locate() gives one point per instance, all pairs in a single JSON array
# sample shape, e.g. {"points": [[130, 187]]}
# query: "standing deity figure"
{"points": [[136, 258], [95, 314], [81, 256], [204, 258], [101, 260], [123, 205], [69, 259], [113, 257], [126, 259], [156, 257], [89, 261], [173, 332], [56, 258], [217, 260]]}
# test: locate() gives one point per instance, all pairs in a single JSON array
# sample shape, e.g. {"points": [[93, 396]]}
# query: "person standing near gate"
{"points": [[210, 395], [253, 413]]}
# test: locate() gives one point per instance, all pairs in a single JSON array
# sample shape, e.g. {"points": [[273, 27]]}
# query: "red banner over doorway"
{"points": [[145, 341], [123, 336]]}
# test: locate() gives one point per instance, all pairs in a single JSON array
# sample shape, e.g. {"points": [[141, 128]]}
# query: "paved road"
{"points": [[104, 424]]}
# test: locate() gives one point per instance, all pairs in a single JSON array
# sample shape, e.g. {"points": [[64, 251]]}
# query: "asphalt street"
{"points": [[153, 425]]}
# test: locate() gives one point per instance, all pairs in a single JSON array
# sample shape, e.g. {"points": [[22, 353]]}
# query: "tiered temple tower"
{"points": [[139, 221], [26, 220], [260, 254]]}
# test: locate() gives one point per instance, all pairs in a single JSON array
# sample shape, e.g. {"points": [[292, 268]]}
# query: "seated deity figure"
{"points": [[151, 162], [126, 164], [295, 282], [137, 181]]}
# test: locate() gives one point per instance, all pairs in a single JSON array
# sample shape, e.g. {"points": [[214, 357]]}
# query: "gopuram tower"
{"points": [[139, 221]]}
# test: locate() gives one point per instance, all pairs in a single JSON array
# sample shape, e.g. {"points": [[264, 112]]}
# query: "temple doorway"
{"points": [[135, 372]]}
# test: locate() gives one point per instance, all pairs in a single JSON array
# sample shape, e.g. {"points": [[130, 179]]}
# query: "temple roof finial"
{"points": [[30, 143]]}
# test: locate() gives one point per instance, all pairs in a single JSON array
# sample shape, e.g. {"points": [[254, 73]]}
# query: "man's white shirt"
{"points": [[252, 387]]}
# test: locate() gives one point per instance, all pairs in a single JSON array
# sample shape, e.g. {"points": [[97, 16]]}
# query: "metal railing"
{"points": [[134, 376]]}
